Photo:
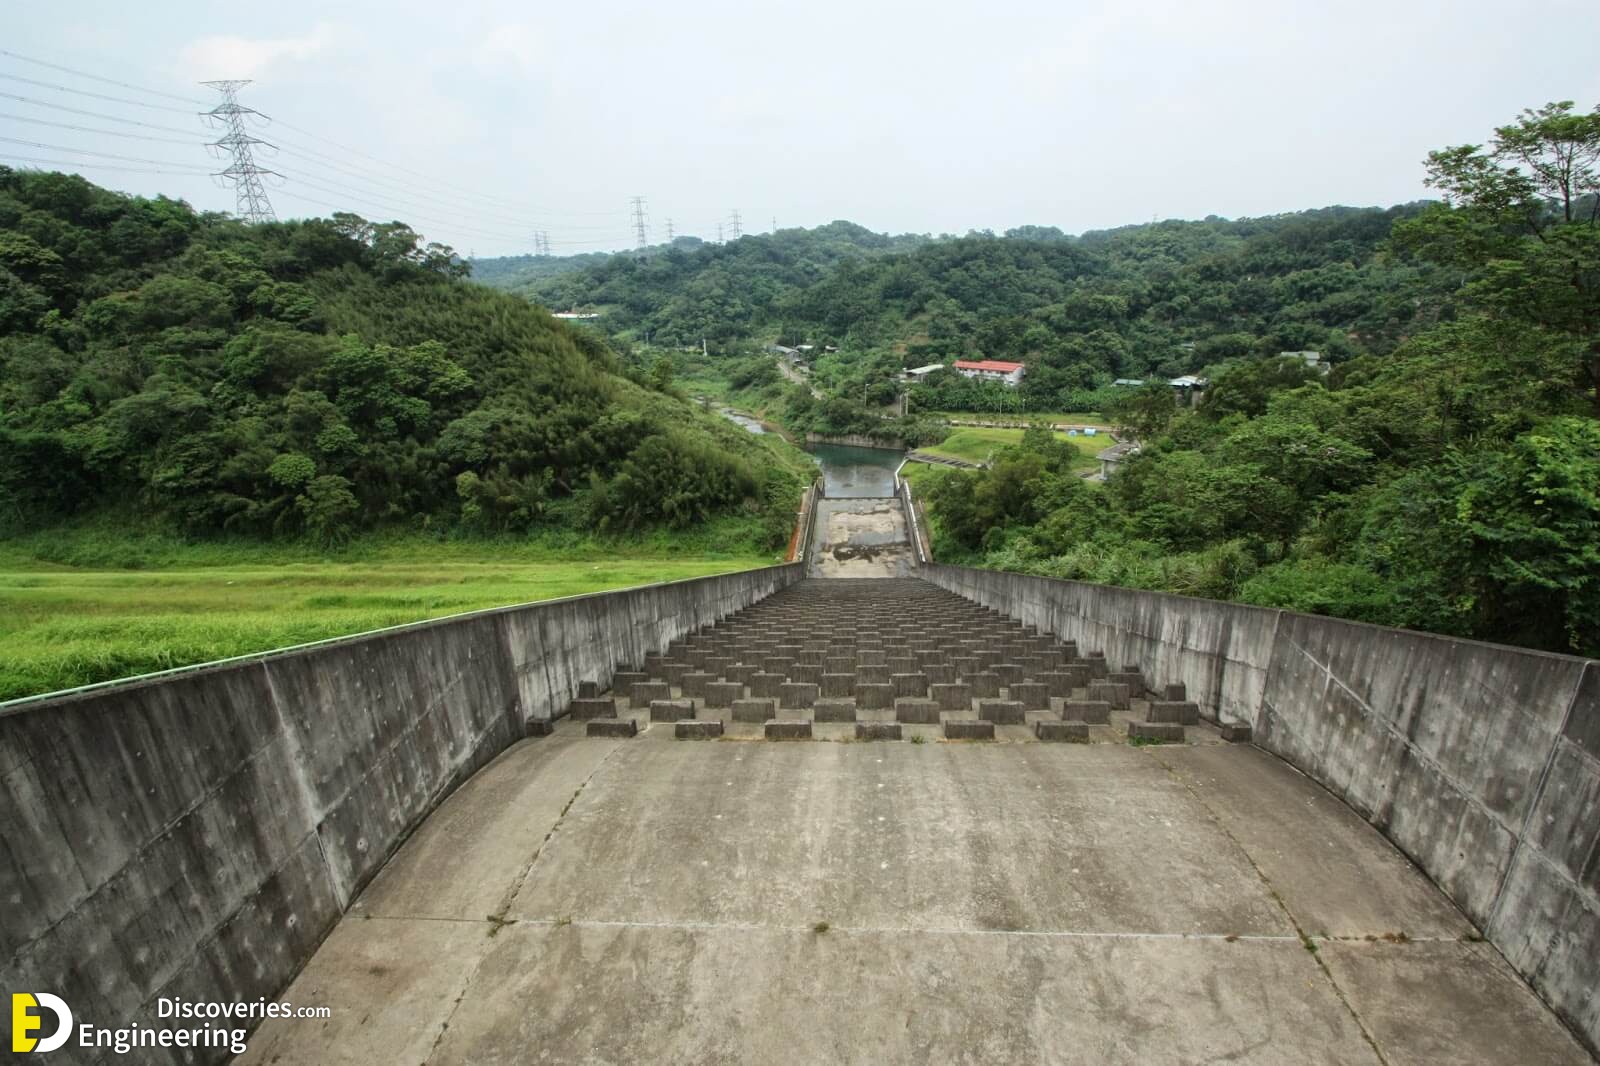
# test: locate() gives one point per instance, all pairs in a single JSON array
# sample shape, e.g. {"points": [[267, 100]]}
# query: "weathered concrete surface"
{"points": [[1481, 762], [861, 537], [198, 834], [984, 903]]}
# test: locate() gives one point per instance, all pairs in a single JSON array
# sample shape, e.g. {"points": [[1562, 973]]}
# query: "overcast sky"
{"points": [[486, 121]]}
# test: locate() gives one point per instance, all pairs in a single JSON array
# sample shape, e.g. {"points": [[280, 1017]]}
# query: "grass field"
{"points": [[63, 625], [976, 444]]}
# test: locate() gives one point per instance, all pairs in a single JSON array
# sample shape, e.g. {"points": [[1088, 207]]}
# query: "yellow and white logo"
{"points": [[25, 1021]]}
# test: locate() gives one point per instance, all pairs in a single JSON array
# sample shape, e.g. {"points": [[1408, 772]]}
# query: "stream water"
{"points": [[847, 472]]}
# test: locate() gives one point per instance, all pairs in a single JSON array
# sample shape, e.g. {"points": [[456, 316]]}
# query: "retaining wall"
{"points": [[198, 833], [856, 440], [1480, 762]]}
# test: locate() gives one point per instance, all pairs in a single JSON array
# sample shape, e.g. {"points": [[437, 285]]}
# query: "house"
{"points": [[1009, 374], [576, 316], [1189, 387], [1313, 360], [1128, 383], [1115, 456], [920, 373]]}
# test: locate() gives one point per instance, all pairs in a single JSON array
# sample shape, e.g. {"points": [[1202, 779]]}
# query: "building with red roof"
{"points": [[991, 370]]}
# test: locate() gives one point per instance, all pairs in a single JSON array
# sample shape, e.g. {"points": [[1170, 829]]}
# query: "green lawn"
{"points": [[976, 444], [64, 626]]}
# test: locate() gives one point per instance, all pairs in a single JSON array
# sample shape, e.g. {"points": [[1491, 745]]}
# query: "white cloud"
{"points": [[515, 46], [228, 56]]}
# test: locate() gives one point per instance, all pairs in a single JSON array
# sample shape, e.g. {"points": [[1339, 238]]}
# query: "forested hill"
{"points": [[1166, 297], [320, 378], [691, 289]]}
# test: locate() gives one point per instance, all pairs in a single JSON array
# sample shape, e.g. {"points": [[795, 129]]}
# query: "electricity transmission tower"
{"points": [[719, 233], [640, 236], [669, 231], [541, 243], [241, 172], [736, 223]]}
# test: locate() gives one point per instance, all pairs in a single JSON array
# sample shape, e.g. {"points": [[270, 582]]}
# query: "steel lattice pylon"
{"points": [[242, 171]]}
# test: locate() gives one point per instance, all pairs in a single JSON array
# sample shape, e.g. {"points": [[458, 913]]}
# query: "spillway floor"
{"points": [[742, 901]]}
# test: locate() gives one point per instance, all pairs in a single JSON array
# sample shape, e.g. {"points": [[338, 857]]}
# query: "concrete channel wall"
{"points": [[1480, 762], [198, 833]]}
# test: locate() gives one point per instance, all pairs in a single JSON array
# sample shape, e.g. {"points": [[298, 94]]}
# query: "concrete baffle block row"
{"points": [[1163, 731], [671, 710], [596, 707], [611, 727], [833, 710], [916, 712], [789, 730], [1185, 713], [877, 730], [968, 730], [1067, 732], [697, 730], [754, 710], [1094, 712], [1001, 712]]}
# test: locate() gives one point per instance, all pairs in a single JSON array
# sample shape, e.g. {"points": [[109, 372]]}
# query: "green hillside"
{"points": [[322, 378]]}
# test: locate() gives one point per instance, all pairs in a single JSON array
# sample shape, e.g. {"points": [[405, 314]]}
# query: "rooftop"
{"points": [[994, 365]]}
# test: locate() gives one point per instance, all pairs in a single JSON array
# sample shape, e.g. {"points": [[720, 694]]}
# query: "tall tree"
{"points": [[1523, 217]]}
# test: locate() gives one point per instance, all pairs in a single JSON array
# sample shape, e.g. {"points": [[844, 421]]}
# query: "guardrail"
{"points": [[806, 522], [902, 489]]}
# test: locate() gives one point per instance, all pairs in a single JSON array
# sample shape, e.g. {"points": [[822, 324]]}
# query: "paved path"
{"points": [[797, 378]]}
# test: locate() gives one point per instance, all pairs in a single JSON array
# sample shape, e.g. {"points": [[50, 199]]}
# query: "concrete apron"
{"points": [[650, 900], [861, 537]]}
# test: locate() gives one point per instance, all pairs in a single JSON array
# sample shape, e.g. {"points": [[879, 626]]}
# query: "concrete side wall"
{"points": [[1480, 762], [197, 834]]}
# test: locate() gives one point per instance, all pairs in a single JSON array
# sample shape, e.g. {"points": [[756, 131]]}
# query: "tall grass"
{"points": [[89, 604]]}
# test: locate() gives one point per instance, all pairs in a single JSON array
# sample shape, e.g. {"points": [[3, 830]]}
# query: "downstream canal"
{"points": [[848, 472]]}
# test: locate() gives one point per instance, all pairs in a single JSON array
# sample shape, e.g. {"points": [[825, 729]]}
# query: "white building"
{"points": [[1009, 374]]}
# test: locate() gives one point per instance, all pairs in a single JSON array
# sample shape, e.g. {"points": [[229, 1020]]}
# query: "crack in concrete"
{"points": [[1309, 941], [498, 919]]}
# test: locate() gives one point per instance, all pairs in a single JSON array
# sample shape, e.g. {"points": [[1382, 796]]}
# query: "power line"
{"points": [[243, 173], [75, 165], [96, 77], [640, 235], [91, 129], [102, 155], [91, 114], [294, 194], [446, 217], [97, 96], [279, 123], [318, 159]]}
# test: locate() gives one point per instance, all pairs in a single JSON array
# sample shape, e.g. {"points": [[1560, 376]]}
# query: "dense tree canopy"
{"points": [[1154, 300], [319, 378], [1450, 483]]}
